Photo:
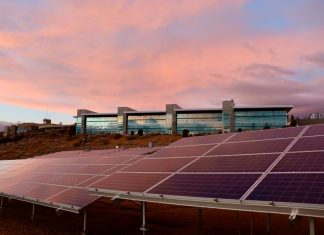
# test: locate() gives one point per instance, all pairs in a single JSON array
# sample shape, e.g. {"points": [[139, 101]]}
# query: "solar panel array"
{"points": [[61, 179], [277, 165]]}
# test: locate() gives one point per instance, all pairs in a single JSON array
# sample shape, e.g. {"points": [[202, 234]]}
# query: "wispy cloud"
{"points": [[103, 54]]}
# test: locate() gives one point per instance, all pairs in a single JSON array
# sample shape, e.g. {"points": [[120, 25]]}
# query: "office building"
{"points": [[174, 119]]}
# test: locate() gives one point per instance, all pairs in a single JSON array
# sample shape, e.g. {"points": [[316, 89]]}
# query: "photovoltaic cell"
{"points": [[115, 159], [314, 130], [309, 143], [196, 140], [158, 165], [58, 168], [43, 177], [19, 189], [187, 151], [229, 186], [71, 180], [113, 170], [44, 191], [236, 163], [90, 181], [297, 188], [132, 182], [267, 134], [94, 169], [75, 197], [306, 161], [265, 146]]}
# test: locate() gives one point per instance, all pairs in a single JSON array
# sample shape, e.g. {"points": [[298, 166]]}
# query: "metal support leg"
{"points": [[84, 223], [1, 206], [143, 227], [269, 224], [311, 226], [33, 213], [238, 222], [251, 223], [199, 219]]}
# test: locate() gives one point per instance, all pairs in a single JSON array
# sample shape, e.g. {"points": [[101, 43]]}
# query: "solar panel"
{"points": [[58, 168], [130, 182], [309, 143], [158, 165], [115, 159], [75, 197], [268, 134], [94, 169], [297, 188], [235, 163], [19, 188], [314, 130], [186, 151], [264, 146], [71, 179], [43, 192], [197, 140], [302, 162], [90, 181], [230, 186]]}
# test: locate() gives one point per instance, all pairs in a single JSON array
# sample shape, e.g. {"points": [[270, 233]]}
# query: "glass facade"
{"points": [[199, 123], [96, 125], [78, 125], [175, 119], [148, 123], [254, 120]]}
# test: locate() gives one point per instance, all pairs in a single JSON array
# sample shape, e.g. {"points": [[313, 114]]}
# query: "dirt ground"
{"points": [[125, 218], [36, 144]]}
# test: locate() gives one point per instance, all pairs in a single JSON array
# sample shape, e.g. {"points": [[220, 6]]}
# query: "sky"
{"points": [[57, 56]]}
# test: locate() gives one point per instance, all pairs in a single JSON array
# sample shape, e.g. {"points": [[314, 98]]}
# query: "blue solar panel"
{"points": [[268, 134], [266, 146], [302, 162], [230, 186], [236, 163], [309, 143], [297, 188], [314, 130]]}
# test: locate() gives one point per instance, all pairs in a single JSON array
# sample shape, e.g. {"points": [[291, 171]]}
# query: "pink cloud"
{"points": [[147, 53]]}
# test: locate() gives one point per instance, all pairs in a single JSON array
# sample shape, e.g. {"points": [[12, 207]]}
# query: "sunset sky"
{"points": [[60, 55]]}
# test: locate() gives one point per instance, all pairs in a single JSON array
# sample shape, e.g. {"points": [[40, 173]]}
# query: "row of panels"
{"points": [[264, 146], [63, 180], [284, 133]]}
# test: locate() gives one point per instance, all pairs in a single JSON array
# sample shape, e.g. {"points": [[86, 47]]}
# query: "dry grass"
{"points": [[36, 144]]}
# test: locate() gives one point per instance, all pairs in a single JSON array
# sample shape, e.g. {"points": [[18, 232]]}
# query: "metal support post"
{"points": [[238, 222], [143, 227], [199, 219], [311, 226], [269, 224], [33, 213], [84, 223], [1, 206], [251, 223]]}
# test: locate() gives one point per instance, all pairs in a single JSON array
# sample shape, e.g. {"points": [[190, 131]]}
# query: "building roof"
{"points": [[197, 110], [286, 107]]}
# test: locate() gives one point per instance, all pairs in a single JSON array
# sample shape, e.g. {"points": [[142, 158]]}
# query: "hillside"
{"points": [[36, 144]]}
